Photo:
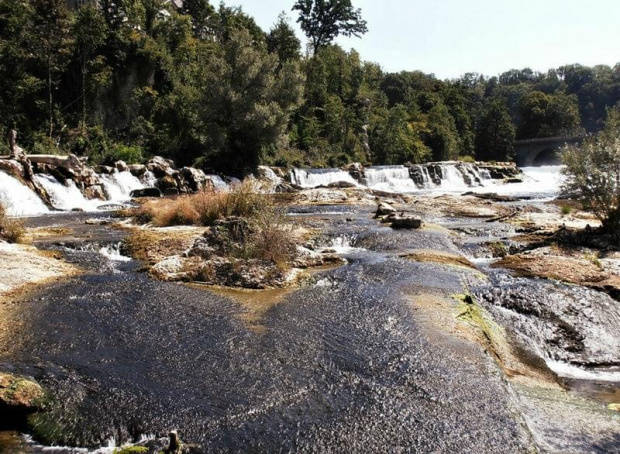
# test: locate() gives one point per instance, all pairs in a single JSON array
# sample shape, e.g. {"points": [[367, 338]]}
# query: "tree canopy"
{"points": [[323, 20], [205, 85]]}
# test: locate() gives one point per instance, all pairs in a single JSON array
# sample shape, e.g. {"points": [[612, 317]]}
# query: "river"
{"points": [[353, 362]]}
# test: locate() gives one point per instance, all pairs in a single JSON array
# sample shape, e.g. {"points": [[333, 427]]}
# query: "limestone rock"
{"points": [[145, 192], [405, 222], [384, 209], [121, 166]]}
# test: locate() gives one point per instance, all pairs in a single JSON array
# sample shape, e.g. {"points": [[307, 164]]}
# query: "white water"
{"points": [[320, 177], [569, 371], [118, 186], [19, 199], [452, 180], [538, 183], [390, 179], [67, 197], [218, 183]]}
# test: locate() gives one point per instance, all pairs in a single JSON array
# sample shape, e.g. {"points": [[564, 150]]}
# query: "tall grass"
{"points": [[205, 207]]}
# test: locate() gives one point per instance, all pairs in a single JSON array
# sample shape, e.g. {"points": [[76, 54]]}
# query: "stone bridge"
{"points": [[538, 152]]}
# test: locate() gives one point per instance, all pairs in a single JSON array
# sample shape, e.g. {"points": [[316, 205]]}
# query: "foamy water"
{"points": [[19, 199]]}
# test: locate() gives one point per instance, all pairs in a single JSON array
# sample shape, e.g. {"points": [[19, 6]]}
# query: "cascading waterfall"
{"points": [[19, 199], [314, 178], [218, 183], [390, 178], [118, 185], [65, 197]]}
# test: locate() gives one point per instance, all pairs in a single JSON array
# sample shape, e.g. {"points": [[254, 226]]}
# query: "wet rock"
{"points": [[167, 182], [173, 268], [104, 170], [137, 170], [195, 178], [405, 222], [567, 324], [19, 394], [160, 166], [171, 192], [341, 185], [492, 196], [384, 209], [121, 166], [145, 192], [95, 192], [12, 167]]}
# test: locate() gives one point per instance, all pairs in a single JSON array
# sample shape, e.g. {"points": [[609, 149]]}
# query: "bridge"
{"points": [[538, 152]]}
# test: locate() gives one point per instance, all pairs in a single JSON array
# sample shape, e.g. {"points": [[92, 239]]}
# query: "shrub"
{"points": [[11, 230], [593, 174], [566, 210]]}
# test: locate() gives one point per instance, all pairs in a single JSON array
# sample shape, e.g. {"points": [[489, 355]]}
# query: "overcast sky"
{"points": [[452, 37]]}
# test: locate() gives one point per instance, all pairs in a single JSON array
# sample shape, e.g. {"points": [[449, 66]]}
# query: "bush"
{"points": [[11, 230], [593, 175]]}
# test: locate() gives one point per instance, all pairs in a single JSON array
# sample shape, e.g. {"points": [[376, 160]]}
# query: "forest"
{"points": [[203, 84]]}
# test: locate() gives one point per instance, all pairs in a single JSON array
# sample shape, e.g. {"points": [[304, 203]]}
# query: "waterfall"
{"points": [[148, 179], [19, 199], [65, 197], [118, 186], [218, 183], [320, 177], [390, 179]]}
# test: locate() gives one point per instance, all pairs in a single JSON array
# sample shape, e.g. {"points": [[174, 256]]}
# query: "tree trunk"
{"points": [[49, 92]]}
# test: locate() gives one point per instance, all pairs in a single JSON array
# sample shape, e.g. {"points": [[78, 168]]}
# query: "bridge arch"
{"points": [[538, 152]]}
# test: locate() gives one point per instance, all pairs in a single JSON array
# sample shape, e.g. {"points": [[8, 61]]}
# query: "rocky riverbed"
{"points": [[464, 335]]}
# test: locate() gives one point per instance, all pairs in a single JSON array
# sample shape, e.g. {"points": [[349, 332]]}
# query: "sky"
{"points": [[452, 37]]}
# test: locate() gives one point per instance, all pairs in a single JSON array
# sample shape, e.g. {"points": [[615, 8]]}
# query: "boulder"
{"points": [[160, 166], [384, 209], [171, 192], [104, 170], [195, 178], [405, 222], [137, 170], [12, 167], [145, 192], [121, 166], [94, 192], [167, 182]]}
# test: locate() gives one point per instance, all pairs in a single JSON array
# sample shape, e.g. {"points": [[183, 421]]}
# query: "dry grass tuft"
{"points": [[11, 230], [205, 207]]}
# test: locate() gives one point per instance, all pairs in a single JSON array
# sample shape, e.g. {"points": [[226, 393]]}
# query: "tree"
{"points": [[442, 136], [90, 31], [282, 40], [323, 20], [593, 173], [51, 40], [549, 115], [396, 139], [245, 107], [495, 133]]}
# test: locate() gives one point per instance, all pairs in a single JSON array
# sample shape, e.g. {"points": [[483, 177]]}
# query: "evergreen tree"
{"points": [[495, 134]]}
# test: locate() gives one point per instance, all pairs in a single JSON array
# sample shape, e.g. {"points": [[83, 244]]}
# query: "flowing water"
{"points": [[345, 364], [18, 198]]}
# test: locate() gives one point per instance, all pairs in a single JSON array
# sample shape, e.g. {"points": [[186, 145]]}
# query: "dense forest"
{"points": [[203, 84]]}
